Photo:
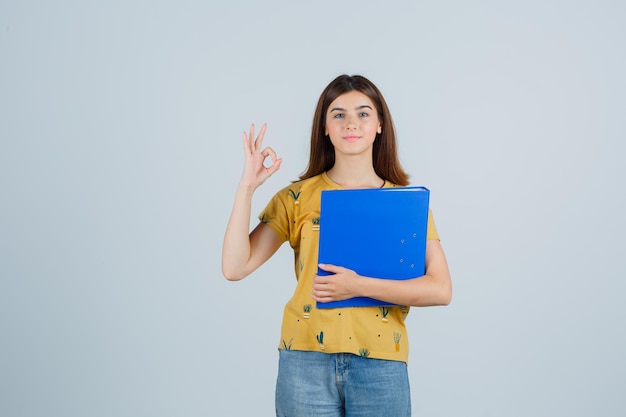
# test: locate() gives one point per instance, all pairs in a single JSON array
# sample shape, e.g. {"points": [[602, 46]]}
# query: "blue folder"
{"points": [[379, 233]]}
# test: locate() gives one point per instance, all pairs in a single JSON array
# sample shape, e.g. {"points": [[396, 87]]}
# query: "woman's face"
{"points": [[352, 124]]}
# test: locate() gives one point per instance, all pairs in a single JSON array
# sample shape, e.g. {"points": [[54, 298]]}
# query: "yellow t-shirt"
{"points": [[375, 332]]}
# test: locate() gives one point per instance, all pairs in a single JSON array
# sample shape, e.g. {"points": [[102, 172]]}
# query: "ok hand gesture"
{"points": [[255, 172]]}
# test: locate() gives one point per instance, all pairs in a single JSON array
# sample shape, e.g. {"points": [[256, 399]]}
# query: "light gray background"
{"points": [[120, 126]]}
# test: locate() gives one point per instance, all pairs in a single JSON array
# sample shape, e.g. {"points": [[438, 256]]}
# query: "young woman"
{"points": [[337, 361]]}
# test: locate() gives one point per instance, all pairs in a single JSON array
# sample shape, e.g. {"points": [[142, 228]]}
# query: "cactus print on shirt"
{"points": [[373, 332]]}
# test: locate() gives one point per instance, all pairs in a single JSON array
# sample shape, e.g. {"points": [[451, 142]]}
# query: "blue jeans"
{"points": [[340, 384]]}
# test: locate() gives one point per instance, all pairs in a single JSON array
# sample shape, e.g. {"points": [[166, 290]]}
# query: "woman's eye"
{"points": [[338, 116], [363, 114]]}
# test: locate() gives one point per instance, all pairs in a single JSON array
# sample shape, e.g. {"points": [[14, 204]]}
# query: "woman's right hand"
{"points": [[244, 251], [255, 172]]}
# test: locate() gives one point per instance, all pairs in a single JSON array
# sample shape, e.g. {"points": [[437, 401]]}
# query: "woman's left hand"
{"points": [[339, 286]]}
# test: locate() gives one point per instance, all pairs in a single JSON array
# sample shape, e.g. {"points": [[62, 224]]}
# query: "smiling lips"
{"points": [[351, 138]]}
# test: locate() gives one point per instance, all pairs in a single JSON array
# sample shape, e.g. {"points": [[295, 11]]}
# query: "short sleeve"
{"points": [[431, 230], [276, 216]]}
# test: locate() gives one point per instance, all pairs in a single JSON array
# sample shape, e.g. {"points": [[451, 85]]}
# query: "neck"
{"points": [[354, 175]]}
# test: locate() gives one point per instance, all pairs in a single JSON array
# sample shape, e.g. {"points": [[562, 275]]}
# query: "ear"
{"points": [[380, 129]]}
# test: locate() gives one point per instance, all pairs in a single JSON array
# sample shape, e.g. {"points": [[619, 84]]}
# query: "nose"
{"points": [[351, 122]]}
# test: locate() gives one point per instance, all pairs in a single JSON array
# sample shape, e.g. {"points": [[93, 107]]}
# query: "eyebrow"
{"points": [[365, 106]]}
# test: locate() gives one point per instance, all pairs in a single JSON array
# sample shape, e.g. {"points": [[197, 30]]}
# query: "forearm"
{"points": [[236, 247], [427, 290]]}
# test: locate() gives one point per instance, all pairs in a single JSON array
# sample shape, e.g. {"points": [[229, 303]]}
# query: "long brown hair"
{"points": [[385, 152]]}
